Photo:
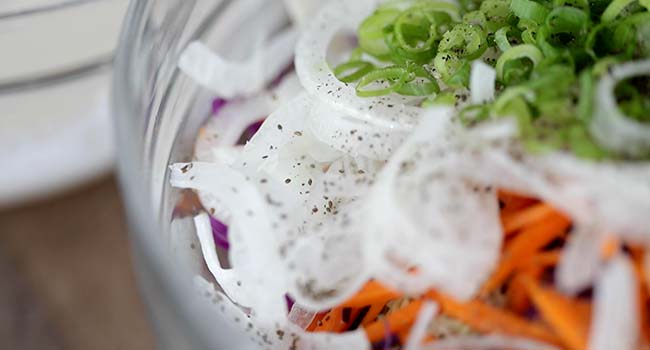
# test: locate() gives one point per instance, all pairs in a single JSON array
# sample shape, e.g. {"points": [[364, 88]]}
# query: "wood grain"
{"points": [[66, 275]]}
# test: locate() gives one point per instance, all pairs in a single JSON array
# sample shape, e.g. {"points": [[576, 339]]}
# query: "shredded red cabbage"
{"points": [[250, 131], [290, 302], [217, 104], [220, 233]]}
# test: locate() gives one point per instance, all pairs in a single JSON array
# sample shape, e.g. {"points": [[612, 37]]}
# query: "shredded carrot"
{"points": [[521, 247], [517, 220], [610, 247], [372, 313], [569, 318], [511, 201], [372, 293], [332, 321], [516, 296], [489, 319], [638, 256], [318, 319], [539, 262], [395, 322], [403, 335]]}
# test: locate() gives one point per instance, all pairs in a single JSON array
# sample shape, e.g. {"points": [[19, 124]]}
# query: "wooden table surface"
{"points": [[66, 280]]}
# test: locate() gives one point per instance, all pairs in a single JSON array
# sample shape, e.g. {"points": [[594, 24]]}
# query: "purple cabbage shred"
{"points": [[220, 233], [290, 302], [250, 131], [217, 104]]}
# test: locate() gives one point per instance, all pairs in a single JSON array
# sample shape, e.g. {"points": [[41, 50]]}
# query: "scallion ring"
{"points": [[422, 84], [529, 10], [358, 68], [394, 76], [518, 52], [464, 40]]}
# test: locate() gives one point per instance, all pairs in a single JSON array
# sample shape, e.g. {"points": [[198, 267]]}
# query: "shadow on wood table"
{"points": [[66, 280]]}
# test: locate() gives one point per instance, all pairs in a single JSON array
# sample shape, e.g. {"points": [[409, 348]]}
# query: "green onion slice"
{"points": [[515, 53], [529, 10], [358, 70], [394, 76]]}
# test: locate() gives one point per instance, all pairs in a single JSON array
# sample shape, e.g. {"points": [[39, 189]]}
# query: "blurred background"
{"points": [[65, 266]]}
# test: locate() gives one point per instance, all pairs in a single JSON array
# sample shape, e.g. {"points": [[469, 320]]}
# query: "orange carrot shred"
{"points": [[569, 318], [489, 319], [512, 201], [514, 221], [318, 319], [372, 314], [638, 256], [521, 247], [395, 322], [516, 296], [332, 321], [539, 262], [403, 335], [372, 293]]}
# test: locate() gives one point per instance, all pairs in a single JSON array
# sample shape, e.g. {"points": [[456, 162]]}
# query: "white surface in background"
{"points": [[45, 42], [55, 138], [58, 136], [20, 5]]}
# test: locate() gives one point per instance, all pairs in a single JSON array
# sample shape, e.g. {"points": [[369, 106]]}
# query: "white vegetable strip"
{"points": [[316, 76], [302, 11], [487, 342], [612, 196], [581, 260], [423, 201], [300, 316], [615, 320], [227, 279], [252, 243], [352, 136], [233, 78], [419, 329], [280, 334], [482, 82], [224, 129], [613, 129]]}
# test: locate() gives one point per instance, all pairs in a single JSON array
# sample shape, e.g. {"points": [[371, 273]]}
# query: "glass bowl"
{"points": [[158, 113], [54, 86]]}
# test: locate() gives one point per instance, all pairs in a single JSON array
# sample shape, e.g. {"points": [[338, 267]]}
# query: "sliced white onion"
{"points": [[281, 334], [339, 16], [488, 342], [419, 329], [301, 11], [613, 196], [227, 278], [234, 78], [254, 251], [352, 136], [611, 128], [482, 82], [224, 129], [581, 260], [300, 316], [427, 214], [615, 320]]}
